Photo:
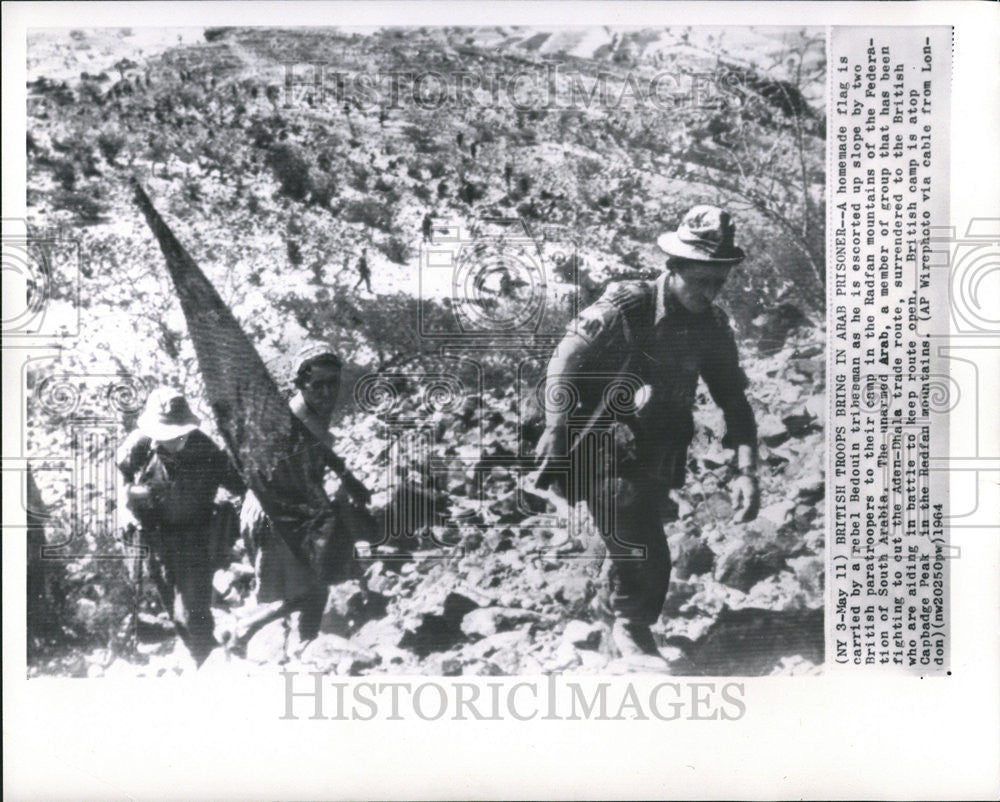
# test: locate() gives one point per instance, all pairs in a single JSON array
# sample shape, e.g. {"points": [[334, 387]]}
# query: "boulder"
{"points": [[749, 563], [808, 369], [583, 634], [499, 539], [517, 640], [574, 591], [512, 559], [778, 514], [437, 627], [810, 488], [816, 406], [381, 579], [487, 621], [788, 393], [808, 351], [449, 665], [799, 424], [356, 665], [481, 597], [565, 658], [270, 644], [691, 557], [382, 633], [507, 599], [348, 608], [484, 668], [329, 652], [772, 431], [809, 570]]}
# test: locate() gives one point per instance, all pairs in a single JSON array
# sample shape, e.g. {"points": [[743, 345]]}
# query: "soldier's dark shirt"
{"points": [[639, 327], [189, 477]]}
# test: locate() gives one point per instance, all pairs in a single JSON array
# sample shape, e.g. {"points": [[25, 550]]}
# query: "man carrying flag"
{"points": [[276, 451], [284, 583]]}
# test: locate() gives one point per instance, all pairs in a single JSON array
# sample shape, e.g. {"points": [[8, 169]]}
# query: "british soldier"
{"points": [[655, 338]]}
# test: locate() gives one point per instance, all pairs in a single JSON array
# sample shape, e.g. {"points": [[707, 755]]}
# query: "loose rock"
{"points": [[488, 621], [328, 652], [583, 634]]}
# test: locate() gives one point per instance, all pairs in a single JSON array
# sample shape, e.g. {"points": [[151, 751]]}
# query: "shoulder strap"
{"points": [[634, 299], [140, 453]]}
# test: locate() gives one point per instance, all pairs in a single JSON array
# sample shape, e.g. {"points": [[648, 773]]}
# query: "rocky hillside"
{"points": [[276, 191]]}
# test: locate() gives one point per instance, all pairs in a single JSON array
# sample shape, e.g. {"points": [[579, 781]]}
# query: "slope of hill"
{"points": [[276, 184]]}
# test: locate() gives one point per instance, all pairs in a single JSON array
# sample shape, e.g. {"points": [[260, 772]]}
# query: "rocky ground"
{"points": [[275, 199], [517, 596]]}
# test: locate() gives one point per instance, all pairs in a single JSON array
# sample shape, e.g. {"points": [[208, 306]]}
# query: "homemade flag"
{"points": [[267, 442]]}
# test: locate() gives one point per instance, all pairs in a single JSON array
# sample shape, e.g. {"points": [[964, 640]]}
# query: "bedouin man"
{"points": [[655, 338], [172, 472], [284, 583]]}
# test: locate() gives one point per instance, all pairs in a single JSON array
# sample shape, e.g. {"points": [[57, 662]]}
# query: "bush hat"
{"points": [[705, 235], [167, 415]]}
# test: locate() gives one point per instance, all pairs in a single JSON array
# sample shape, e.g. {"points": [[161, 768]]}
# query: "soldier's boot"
{"points": [[637, 647], [311, 608]]}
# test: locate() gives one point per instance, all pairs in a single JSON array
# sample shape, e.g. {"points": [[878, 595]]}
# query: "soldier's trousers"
{"points": [[628, 512], [181, 569]]}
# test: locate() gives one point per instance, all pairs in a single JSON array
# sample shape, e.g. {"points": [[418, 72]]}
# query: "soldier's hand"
{"points": [[745, 496], [140, 497], [551, 445]]}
